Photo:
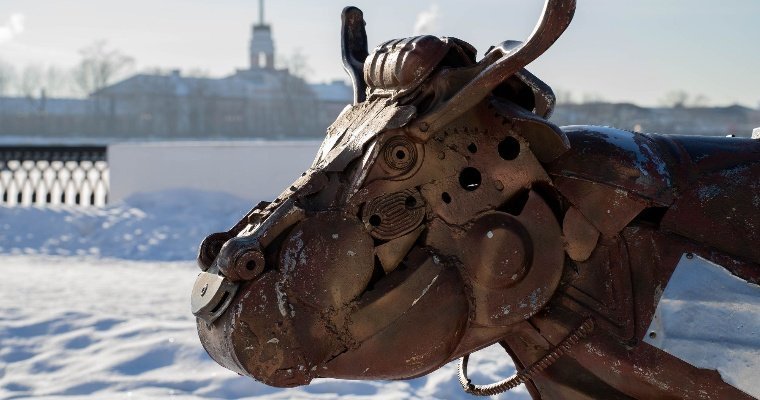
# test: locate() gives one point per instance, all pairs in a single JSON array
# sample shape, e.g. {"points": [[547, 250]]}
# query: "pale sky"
{"points": [[620, 50]]}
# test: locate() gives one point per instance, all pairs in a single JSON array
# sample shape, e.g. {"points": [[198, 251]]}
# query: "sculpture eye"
{"points": [[399, 155]]}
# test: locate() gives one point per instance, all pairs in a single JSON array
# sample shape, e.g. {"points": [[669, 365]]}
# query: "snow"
{"points": [[165, 226], [95, 303], [710, 319]]}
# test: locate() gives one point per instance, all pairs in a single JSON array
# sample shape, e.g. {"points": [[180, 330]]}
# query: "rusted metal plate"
{"points": [[515, 263], [629, 161], [607, 208], [328, 260], [581, 236], [393, 252], [719, 207], [399, 66]]}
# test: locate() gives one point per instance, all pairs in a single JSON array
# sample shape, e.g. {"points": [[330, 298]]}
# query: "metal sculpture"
{"points": [[444, 213]]}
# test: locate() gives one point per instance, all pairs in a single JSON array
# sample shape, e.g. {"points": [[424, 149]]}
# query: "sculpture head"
{"points": [[425, 224]]}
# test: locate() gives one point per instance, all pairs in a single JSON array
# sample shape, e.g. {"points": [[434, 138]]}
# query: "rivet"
{"points": [[204, 289], [689, 256], [424, 126]]}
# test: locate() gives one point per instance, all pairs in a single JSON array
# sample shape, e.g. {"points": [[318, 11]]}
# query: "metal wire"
{"points": [[527, 373]]}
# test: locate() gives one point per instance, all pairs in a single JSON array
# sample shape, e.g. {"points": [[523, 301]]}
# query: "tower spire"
{"points": [[262, 45]]}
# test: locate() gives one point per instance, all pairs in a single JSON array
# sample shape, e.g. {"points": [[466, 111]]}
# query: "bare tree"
{"points": [[7, 78], [31, 82], [197, 73], [681, 99], [564, 97], [675, 99], [297, 63], [592, 97], [35, 79], [99, 66], [57, 82], [700, 100], [156, 71]]}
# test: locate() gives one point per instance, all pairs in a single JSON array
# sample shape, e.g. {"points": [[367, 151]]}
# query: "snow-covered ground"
{"points": [[166, 226], [95, 303]]}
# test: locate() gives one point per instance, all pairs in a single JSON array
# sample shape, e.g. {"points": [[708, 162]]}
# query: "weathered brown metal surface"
{"points": [[444, 213]]}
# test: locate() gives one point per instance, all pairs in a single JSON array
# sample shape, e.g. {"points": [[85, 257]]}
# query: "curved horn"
{"points": [[354, 49], [556, 17]]}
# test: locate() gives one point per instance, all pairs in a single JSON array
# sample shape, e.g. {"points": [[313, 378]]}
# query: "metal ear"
{"points": [[354, 49], [509, 59]]}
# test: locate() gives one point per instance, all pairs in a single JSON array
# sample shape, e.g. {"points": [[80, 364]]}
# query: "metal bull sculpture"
{"points": [[445, 213]]}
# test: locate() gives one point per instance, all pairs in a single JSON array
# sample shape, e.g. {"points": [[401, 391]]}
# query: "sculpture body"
{"points": [[444, 213]]}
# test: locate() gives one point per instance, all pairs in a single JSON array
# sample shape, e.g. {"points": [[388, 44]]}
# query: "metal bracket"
{"points": [[212, 294]]}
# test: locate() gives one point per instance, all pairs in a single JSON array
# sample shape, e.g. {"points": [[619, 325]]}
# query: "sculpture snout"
{"points": [[242, 256]]}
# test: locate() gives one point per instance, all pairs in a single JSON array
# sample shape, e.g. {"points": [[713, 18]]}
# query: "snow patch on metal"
{"points": [[710, 319]]}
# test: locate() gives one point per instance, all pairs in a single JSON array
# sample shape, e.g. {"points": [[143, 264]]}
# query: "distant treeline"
{"points": [[713, 121]]}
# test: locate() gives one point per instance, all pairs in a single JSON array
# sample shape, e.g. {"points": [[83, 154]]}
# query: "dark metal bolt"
{"points": [[204, 289], [248, 265]]}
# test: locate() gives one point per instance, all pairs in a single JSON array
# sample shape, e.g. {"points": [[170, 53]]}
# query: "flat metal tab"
{"points": [[211, 295], [710, 319]]}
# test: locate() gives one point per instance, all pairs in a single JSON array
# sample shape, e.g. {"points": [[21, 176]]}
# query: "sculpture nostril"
{"points": [[248, 265], [210, 248]]}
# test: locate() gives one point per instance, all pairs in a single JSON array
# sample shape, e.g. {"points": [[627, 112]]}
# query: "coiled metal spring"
{"points": [[527, 373]]}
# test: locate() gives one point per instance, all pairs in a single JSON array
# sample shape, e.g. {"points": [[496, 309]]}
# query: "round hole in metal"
{"points": [[470, 179], [509, 148], [374, 220]]}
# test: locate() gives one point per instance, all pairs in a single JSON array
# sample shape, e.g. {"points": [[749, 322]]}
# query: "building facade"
{"points": [[260, 101]]}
